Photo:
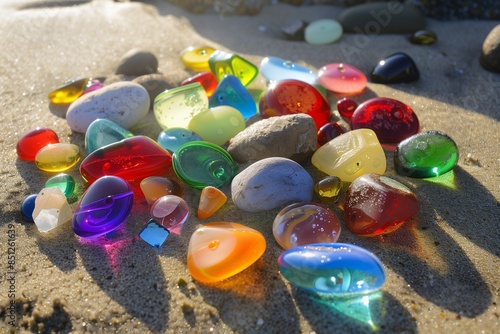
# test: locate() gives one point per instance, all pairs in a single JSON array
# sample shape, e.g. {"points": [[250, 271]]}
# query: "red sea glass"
{"points": [[291, 96], [206, 79], [329, 131], [33, 141], [376, 205]]}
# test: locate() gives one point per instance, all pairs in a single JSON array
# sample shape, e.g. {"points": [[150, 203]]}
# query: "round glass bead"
{"points": [[172, 210], [27, 207], [328, 189]]}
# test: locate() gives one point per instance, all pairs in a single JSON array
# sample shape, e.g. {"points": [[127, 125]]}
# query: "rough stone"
{"points": [[490, 56]]}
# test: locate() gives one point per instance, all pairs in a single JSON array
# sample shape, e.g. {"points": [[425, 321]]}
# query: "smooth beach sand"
{"points": [[442, 266]]}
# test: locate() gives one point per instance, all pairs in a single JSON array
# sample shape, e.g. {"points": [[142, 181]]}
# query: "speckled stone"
{"points": [[137, 62], [490, 56]]}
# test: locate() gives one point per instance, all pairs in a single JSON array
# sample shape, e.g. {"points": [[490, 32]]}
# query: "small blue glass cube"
{"points": [[154, 233]]}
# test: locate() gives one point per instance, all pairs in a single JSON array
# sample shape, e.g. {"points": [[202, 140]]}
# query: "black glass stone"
{"points": [[396, 68]]}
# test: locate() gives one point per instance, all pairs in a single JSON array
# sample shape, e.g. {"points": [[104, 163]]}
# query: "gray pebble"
{"points": [[490, 56], [155, 84], [137, 62]]}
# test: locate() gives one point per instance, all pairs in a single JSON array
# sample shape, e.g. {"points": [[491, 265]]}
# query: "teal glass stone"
{"points": [[200, 164], [426, 154], [222, 63], [102, 132], [332, 268], [171, 139], [275, 69], [231, 92], [154, 233], [64, 182]]}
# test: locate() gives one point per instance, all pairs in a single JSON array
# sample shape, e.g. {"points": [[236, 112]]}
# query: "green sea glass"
{"points": [[222, 63], [102, 132], [64, 182]]}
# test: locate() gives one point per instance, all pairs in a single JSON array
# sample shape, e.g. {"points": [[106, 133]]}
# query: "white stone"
{"points": [[51, 209]]}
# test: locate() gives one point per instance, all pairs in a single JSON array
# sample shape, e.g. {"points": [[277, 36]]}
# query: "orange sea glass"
{"points": [[154, 187], [223, 249], [211, 200]]}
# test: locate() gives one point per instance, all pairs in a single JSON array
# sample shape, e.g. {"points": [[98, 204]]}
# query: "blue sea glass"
{"points": [[332, 268], [222, 63], [171, 139], [103, 207], [275, 69], [102, 132], [154, 234], [27, 207], [64, 182], [231, 92]]}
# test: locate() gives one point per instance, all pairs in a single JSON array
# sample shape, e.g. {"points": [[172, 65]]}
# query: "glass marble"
{"points": [[424, 37], [175, 107], [351, 155], [200, 164], [426, 154], [221, 250], [392, 120], [102, 132], [342, 78], [92, 85], [275, 69], [346, 108], [396, 68], [57, 157], [68, 92], [154, 187], [323, 31], [27, 207], [328, 189], [329, 131], [291, 96], [211, 200], [33, 141], [171, 139], [132, 159], [64, 182], [305, 223], [222, 63], [206, 79], [377, 204], [335, 269], [218, 124], [51, 209], [231, 92], [104, 207], [154, 233], [196, 58], [172, 210]]}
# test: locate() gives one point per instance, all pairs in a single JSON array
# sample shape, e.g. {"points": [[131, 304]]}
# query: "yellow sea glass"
{"points": [[154, 187], [57, 157], [223, 249], [196, 58], [69, 92], [351, 155], [211, 200], [222, 63]]}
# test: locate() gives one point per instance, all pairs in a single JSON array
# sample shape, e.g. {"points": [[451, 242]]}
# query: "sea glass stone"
{"points": [[335, 269], [171, 139], [275, 69], [231, 92], [377, 204], [221, 250], [92, 85], [154, 187], [200, 164], [329, 131], [132, 159], [305, 223], [328, 189], [64, 182], [196, 58], [351, 155], [323, 31], [291, 96], [174, 108], [171, 210], [154, 233], [211, 200], [103, 207], [426, 154], [206, 79], [423, 37], [27, 207], [218, 124], [342, 78], [222, 63], [102, 132], [33, 141], [392, 120], [396, 68], [346, 108], [68, 92], [51, 209], [57, 157]]}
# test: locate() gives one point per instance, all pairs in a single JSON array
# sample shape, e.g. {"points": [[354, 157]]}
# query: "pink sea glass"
{"points": [[33, 141], [171, 210], [342, 78], [154, 187]]}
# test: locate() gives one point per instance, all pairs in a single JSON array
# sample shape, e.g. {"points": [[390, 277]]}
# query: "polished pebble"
{"points": [[154, 187], [328, 189], [68, 92], [426, 154], [33, 141], [57, 157], [171, 210], [275, 69], [305, 223], [222, 63], [351, 155], [342, 78], [377, 204], [396, 68], [211, 200], [346, 108], [329, 131], [221, 250], [154, 233], [206, 79], [196, 58], [104, 207], [424, 37], [173, 138], [231, 92], [64, 182], [323, 31], [137, 62], [51, 209], [336, 269], [27, 207], [102, 132]]}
